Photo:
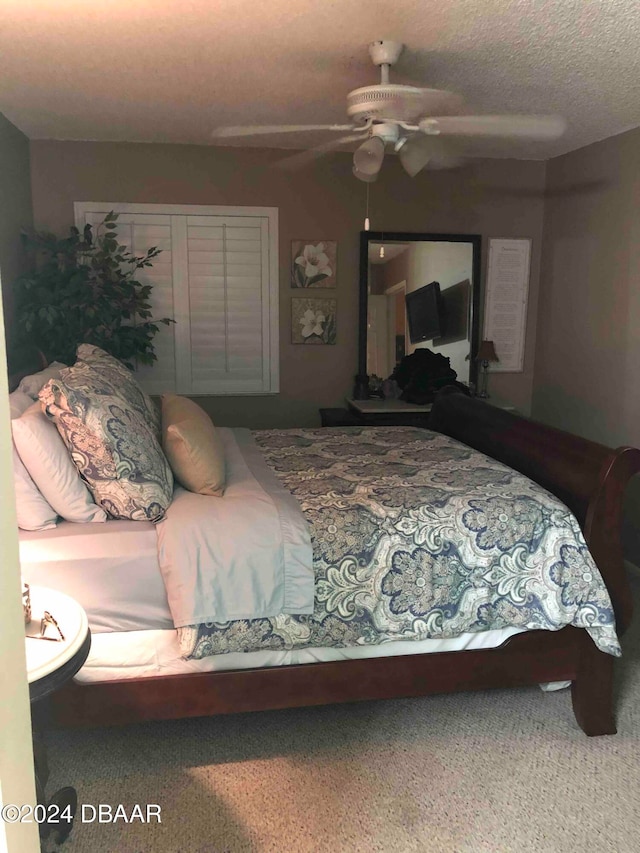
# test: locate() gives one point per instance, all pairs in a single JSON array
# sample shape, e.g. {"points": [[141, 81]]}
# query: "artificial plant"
{"points": [[84, 289]]}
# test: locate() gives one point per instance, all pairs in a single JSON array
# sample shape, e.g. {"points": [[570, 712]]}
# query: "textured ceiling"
{"points": [[168, 71]]}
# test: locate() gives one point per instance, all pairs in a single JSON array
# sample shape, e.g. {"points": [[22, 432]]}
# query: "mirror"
{"points": [[418, 291]]}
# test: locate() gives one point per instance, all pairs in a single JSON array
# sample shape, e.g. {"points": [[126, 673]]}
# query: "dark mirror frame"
{"points": [[367, 237]]}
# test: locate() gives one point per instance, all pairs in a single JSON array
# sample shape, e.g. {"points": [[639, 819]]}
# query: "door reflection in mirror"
{"points": [[405, 268]]}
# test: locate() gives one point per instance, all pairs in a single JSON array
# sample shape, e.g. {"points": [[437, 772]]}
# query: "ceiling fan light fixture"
{"points": [[368, 179], [369, 156], [414, 157]]}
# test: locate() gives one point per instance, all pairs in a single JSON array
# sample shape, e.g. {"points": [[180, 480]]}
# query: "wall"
{"points": [[15, 208], [587, 365], [16, 758], [588, 351], [494, 198]]}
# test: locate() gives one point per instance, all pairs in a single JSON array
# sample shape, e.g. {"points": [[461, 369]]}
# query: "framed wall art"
{"points": [[313, 321], [505, 311], [313, 263]]}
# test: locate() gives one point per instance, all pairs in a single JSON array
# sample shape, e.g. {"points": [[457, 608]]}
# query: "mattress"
{"points": [[140, 654], [110, 568]]}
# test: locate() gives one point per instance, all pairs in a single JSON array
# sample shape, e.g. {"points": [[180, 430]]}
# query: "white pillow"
{"points": [[48, 462], [33, 511], [19, 402], [33, 384]]}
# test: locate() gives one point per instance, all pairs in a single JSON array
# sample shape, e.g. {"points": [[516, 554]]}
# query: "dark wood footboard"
{"points": [[588, 477]]}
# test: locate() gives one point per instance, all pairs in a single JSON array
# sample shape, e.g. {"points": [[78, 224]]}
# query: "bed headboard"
{"points": [[588, 477]]}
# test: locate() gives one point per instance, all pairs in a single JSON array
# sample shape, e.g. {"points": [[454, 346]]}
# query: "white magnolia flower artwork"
{"points": [[313, 263], [313, 321]]}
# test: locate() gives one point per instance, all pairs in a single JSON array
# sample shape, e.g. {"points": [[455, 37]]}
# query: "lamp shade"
{"points": [[368, 157], [414, 155], [368, 179], [487, 352]]}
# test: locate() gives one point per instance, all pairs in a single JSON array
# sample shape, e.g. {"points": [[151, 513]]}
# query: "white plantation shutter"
{"points": [[217, 277], [229, 291]]}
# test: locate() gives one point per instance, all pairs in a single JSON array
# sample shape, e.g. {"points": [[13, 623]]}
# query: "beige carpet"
{"points": [[490, 771]]}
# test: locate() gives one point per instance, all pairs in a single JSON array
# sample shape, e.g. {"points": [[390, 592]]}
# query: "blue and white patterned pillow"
{"points": [[112, 440], [121, 377]]}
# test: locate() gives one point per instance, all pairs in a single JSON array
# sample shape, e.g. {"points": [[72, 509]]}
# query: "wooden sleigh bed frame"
{"points": [[588, 477]]}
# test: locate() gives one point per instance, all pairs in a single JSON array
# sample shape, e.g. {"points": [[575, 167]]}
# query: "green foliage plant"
{"points": [[85, 289]]}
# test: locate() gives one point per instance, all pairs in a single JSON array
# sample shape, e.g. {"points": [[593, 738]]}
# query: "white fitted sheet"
{"points": [[140, 654], [111, 569]]}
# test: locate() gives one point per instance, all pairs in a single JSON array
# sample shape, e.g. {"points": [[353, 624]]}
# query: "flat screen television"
{"points": [[423, 313]]}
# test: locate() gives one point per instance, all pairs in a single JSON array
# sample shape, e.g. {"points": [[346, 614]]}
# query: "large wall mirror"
{"points": [[416, 291]]}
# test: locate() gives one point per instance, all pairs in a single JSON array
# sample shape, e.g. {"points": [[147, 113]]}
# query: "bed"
{"points": [[588, 478]]}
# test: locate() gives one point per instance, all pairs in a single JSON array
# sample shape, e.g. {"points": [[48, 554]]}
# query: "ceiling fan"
{"points": [[413, 122]]}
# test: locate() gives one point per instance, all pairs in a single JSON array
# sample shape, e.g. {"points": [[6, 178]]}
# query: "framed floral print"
{"points": [[313, 263], [313, 321]]}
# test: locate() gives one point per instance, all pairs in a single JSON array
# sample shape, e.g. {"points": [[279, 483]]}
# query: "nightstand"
{"points": [[375, 412], [50, 664]]}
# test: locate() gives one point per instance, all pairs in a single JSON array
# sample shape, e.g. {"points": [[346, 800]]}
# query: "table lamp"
{"points": [[486, 354]]}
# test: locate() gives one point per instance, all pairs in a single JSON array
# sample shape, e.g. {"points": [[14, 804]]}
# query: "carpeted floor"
{"points": [[489, 771]]}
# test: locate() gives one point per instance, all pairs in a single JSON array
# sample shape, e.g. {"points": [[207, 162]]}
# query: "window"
{"points": [[217, 277]]}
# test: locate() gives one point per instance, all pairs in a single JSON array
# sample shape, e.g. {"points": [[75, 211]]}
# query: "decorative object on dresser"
{"points": [[313, 263], [486, 355], [313, 321]]}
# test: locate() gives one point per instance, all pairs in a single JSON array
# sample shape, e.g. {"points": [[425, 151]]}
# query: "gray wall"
{"points": [[494, 199], [15, 211], [587, 367]]}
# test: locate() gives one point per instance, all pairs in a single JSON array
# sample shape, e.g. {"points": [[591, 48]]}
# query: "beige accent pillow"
{"points": [[192, 446]]}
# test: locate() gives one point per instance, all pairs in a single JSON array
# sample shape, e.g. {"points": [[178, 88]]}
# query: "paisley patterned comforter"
{"points": [[417, 536]]}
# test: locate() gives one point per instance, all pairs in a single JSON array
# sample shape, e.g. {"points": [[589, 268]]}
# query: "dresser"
{"points": [[375, 412]]}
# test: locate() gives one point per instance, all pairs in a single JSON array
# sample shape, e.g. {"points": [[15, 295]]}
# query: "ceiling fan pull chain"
{"points": [[367, 224]]}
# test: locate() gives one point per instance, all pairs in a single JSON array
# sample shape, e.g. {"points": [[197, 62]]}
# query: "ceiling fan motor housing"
{"points": [[385, 52], [385, 101]]}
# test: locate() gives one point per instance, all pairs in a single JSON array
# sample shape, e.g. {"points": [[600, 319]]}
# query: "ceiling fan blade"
{"points": [[515, 126], [441, 102], [302, 158], [263, 129]]}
